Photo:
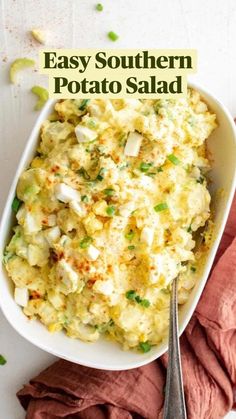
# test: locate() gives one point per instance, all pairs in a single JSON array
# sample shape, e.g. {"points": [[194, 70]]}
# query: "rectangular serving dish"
{"points": [[105, 354]]}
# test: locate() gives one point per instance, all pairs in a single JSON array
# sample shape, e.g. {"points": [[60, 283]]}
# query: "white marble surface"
{"points": [[208, 26]]}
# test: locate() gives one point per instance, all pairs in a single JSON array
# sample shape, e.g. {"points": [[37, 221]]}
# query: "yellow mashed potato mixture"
{"points": [[107, 214]]}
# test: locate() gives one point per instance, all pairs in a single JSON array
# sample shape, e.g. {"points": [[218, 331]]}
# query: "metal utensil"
{"points": [[174, 406]]}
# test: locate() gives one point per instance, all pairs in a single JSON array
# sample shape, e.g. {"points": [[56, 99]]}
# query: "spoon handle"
{"points": [[174, 406]]}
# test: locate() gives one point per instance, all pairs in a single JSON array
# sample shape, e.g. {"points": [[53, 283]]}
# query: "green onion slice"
{"points": [[130, 235], [112, 36], [131, 247], [83, 104], [3, 360], [109, 192], [85, 243], [144, 167], [131, 295], [15, 204], [7, 256], [173, 159], [151, 174], [161, 207], [110, 210], [144, 347], [83, 173], [200, 180], [99, 7], [100, 176], [144, 303], [84, 198]]}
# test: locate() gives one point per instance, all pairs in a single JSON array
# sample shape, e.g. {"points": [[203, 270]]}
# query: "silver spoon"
{"points": [[174, 406]]}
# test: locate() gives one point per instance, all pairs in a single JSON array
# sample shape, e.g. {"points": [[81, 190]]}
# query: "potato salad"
{"points": [[108, 214]]}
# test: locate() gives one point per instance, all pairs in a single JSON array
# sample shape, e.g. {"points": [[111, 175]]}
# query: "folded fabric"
{"points": [[208, 348]]}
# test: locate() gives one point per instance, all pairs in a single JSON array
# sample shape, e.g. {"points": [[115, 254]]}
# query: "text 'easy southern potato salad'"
{"points": [[107, 217]]}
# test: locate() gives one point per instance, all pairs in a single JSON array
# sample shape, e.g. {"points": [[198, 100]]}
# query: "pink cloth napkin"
{"points": [[208, 347]]}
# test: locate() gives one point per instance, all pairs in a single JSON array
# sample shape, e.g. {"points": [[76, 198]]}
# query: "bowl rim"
{"points": [[155, 353]]}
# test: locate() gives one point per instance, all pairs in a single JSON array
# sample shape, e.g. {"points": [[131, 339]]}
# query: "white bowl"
{"points": [[104, 354]]}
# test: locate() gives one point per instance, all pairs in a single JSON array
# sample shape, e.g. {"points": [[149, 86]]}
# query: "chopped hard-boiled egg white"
{"points": [[133, 144], [67, 276], [52, 235], [106, 213], [31, 223], [126, 209], [66, 194], [146, 235], [84, 134], [21, 296], [163, 266], [77, 207], [92, 253], [51, 220], [20, 215], [105, 287]]}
